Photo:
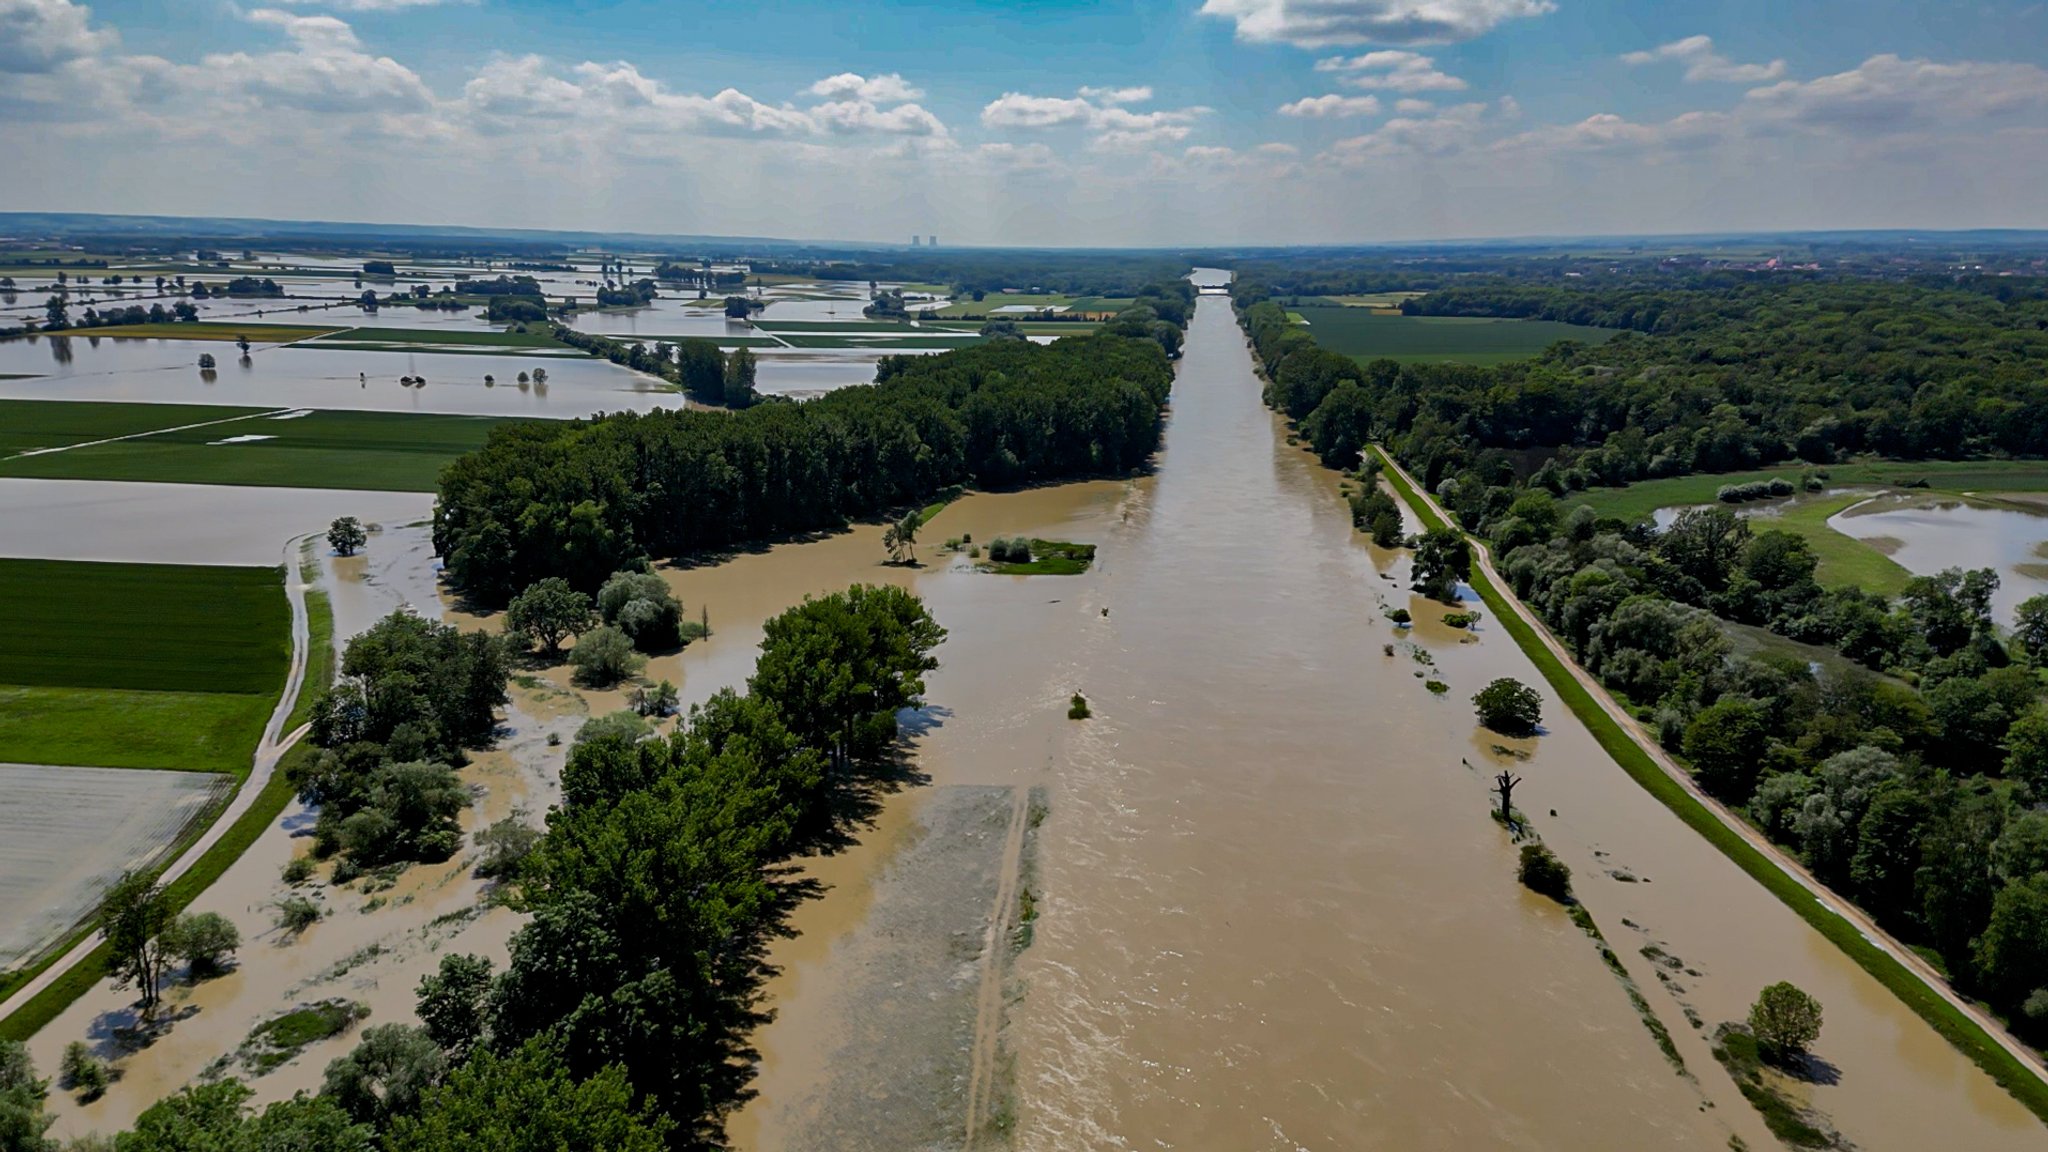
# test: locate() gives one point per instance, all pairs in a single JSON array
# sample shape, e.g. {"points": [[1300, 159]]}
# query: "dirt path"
{"points": [[1785, 862], [988, 1009], [274, 744]]}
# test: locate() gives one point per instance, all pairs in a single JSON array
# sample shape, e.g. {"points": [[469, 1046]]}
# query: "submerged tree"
{"points": [[1784, 1020], [1509, 707], [346, 536], [134, 917]]}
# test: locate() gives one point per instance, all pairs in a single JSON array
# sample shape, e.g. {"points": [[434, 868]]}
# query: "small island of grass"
{"points": [[1034, 557]]}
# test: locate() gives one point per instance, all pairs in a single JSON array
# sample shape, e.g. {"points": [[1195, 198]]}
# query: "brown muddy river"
{"points": [[1271, 910]]}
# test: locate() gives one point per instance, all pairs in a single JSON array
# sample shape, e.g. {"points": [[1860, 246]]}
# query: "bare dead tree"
{"points": [[1505, 785]]}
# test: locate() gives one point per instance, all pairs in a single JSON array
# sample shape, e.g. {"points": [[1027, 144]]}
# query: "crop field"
{"points": [[881, 342], [1644, 497], [139, 665], [1360, 333], [210, 330], [376, 451], [67, 833], [446, 334]]}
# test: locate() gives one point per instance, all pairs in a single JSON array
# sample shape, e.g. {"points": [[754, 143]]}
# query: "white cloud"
{"points": [[1409, 106], [1452, 129], [325, 70], [1098, 110], [1277, 149], [40, 35], [1333, 105], [1890, 94], [862, 116], [1322, 23], [889, 89], [1392, 69], [1135, 95], [1703, 63]]}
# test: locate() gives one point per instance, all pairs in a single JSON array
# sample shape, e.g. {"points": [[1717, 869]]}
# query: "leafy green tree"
{"points": [[1509, 707], [901, 537], [527, 1102], [215, 1117], [603, 656], [836, 663], [1950, 608], [1888, 849], [2030, 630], [23, 1120], [641, 605], [205, 941], [739, 378], [134, 916], [1543, 873], [386, 1075], [81, 1072], [1704, 546], [451, 1003], [346, 536], [2026, 751], [1442, 559], [1785, 1021], [550, 611], [1726, 742], [2012, 953]]}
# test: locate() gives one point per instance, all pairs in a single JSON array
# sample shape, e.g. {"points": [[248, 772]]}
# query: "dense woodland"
{"points": [[1910, 772], [583, 499]]}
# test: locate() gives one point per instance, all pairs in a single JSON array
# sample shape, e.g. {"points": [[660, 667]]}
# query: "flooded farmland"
{"points": [[1926, 534], [140, 523]]}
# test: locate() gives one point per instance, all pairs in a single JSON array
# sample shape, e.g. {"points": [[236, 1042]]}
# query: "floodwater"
{"points": [[81, 367], [1928, 534], [141, 523], [1272, 911]]}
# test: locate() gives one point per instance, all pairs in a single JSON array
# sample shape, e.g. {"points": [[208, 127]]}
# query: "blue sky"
{"points": [[1153, 122]]}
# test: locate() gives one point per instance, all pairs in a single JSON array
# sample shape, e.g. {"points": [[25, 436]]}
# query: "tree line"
{"points": [[621, 1020], [1911, 773], [583, 499]]}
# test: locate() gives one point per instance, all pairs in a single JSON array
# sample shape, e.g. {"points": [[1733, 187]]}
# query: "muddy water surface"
{"points": [[1928, 534], [1271, 910]]}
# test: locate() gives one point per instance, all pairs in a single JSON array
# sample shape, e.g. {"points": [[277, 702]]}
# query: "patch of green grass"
{"points": [[108, 728], [535, 336], [1646, 496], [1958, 1029], [28, 425], [1737, 1051], [210, 330], [1050, 558], [319, 656], [1359, 333], [276, 1041], [380, 451], [161, 627], [882, 343], [987, 306]]}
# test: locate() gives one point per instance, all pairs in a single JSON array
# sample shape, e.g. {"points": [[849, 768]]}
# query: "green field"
{"points": [[1844, 560], [1464, 339], [880, 342], [139, 665], [1370, 299], [378, 451], [446, 334], [987, 305], [210, 330]]}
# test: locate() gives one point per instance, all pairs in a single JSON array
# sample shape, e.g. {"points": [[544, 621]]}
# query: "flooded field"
{"points": [[66, 833], [1928, 534], [180, 523], [81, 367]]}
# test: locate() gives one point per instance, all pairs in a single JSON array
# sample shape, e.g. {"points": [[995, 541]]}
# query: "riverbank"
{"points": [[1916, 984]]}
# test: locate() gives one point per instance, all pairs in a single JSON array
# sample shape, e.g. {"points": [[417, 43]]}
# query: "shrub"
{"points": [[1784, 1021], [298, 870], [1011, 550], [82, 1072], [204, 941], [1399, 615], [1436, 687], [1078, 708], [1461, 619], [659, 700], [641, 605], [1543, 873], [295, 914], [603, 657], [505, 845], [1509, 707]]}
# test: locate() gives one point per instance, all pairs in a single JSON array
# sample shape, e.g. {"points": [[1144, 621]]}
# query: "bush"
{"points": [[1010, 550], [1509, 707], [1461, 619], [295, 914], [505, 845], [549, 611], [1078, 708], [298, 870], [641, 605], [1399, 615], [1784, 1020], [204, 941], [603, 657], [82, 1072], [1543, 873], [659, 700], [1436, 687]]}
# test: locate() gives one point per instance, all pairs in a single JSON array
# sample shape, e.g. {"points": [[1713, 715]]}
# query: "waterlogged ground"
{"points": [[1927, 534], [180, 523]]}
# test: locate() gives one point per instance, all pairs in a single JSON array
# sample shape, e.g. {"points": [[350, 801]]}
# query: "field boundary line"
{"points": [[149, 433], [269, 751], [1968, 1028]]}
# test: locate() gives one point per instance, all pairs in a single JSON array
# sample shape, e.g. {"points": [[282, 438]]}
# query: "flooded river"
{"points": [[1255, 902], [1271, 911]]}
